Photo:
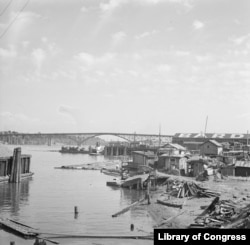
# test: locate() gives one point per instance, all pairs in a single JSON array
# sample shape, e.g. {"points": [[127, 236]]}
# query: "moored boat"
{"points": [[170, 203], [73, 150]]}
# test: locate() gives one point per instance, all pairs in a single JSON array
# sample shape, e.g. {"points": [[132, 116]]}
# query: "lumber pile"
{"points": [[182, 189], [219, 214]]}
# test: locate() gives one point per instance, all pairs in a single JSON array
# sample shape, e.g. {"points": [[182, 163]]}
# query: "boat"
{"points": [[170, 203], [98, 150], [112, 172], [113, 183], [73, 150]]}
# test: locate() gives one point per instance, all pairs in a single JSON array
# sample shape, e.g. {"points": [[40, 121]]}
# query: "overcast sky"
{"points": [[125, 66]]}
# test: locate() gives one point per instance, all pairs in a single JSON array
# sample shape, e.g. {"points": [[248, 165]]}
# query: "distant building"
{"points": [[180, 138], [192, 145], [211, 148], [172, 149]]}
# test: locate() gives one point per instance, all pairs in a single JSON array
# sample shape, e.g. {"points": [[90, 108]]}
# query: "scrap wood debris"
{"points": [[182, 189], [223, 214]]}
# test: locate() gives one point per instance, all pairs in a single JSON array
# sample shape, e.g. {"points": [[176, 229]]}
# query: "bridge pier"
{"points": [[119, 150]]}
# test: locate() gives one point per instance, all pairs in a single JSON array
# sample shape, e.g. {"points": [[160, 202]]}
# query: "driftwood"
{"points": [[48, 240], [127, 208], [241, 220], [210, 207], [171, 218], [224, 214]]}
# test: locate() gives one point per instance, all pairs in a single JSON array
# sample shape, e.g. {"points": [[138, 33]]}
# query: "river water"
{"points": [[47, 201]]}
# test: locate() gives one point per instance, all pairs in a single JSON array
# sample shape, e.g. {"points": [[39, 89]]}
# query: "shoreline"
{"points": [[237, 190]]}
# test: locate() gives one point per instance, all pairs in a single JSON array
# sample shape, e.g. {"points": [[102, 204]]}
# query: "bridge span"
{"points": [[79, 138]]}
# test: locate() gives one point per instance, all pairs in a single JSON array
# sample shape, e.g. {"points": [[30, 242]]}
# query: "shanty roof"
{"points": [[176, 156], [147, 153], [196, 159], [5, 152], [176, 146], [213, 142], [245, 164]]}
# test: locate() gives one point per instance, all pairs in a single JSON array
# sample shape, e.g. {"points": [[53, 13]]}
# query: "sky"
{"points": [[125, 66]]}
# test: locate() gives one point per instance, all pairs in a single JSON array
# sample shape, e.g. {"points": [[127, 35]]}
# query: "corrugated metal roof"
{"points": [[245, 164]]}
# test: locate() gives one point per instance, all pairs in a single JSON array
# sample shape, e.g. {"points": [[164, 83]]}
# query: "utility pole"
{"points": [[159, 135], [205, 127]]}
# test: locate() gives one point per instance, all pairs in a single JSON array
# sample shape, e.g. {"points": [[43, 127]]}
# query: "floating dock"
{"points": [[18, 228]]}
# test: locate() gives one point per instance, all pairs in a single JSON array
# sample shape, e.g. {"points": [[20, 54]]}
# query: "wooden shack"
{"points": [[211, 148], [242, 168], [143, 158], [171, 163], [14, 168], [196, 166], [172, 149], [228, 170]]}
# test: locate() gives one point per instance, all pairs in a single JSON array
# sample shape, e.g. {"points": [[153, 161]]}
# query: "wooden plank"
{"points": [[209, 208]]}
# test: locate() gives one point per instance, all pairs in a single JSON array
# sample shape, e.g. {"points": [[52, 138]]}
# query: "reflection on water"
{"points": [[13, 196], [47, 201]]}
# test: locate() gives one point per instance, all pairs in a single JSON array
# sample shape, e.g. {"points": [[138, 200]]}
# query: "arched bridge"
{"points": [[79, 138]]}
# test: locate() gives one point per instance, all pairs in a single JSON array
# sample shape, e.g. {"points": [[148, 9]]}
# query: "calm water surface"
{"points": [[47, 201]]}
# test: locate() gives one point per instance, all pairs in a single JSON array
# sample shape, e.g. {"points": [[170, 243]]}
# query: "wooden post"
{"points": [[132, 227], [148, 196], [76, 212], [15, 176], [125, 151]]}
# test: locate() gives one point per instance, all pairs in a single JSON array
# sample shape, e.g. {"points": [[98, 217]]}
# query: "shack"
{"points": [[173, 164], [196, 166], [172, 149], [228, 170], [192, 145], [143, 158], [242, 168], [211, 148], [13, 167], [141, 162]]}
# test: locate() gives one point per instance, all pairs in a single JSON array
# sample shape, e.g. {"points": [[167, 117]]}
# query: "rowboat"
{"points": [[170, 203]]}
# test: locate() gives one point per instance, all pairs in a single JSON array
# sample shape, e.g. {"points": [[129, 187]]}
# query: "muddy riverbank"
{"points": [[234, 189]]}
